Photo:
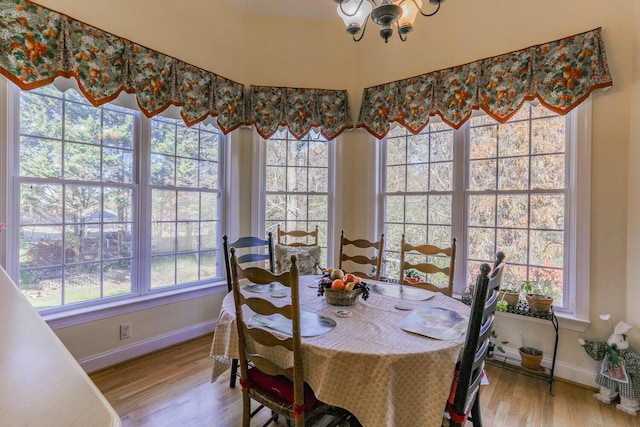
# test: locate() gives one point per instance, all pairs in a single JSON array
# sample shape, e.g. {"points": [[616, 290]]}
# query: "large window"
{"points": [[516, 195], [110, 204], [297, 184], [419, 188], [185, 174], [494, 187]]}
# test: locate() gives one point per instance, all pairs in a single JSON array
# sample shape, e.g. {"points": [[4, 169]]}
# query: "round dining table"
{"points": [[367, 364]]}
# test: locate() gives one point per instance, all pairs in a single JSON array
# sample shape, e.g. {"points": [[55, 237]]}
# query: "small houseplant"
{"points": [[531, 358], [413, 276], [539, 294], [510, 293]]}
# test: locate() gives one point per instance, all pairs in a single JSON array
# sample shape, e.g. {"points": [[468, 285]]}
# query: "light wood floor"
{"points": [[172, 387]]}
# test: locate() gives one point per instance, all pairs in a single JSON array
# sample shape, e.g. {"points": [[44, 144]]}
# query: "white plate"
{"points": [[404, 307], [279, 294]]}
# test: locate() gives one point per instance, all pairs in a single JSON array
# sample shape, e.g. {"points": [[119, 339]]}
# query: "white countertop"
{"points": [[41, 384]]}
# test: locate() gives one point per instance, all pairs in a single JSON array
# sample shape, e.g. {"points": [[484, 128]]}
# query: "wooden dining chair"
{"points": [[283, 237], [256, 250], [280, 389], [374, 262], [430, 269], [464, 399]]}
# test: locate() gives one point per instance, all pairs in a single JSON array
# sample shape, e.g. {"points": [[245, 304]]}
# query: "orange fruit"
{"points": [[338, 285], [349, 277]]}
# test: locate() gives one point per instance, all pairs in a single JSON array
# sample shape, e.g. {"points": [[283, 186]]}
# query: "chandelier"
{"points": [[388, 14]]}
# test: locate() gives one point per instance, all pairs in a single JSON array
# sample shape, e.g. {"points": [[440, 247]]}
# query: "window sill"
{"points": [[82, 315]]}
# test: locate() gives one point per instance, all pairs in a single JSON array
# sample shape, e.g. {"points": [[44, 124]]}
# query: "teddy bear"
{"points": [[619, 374]]}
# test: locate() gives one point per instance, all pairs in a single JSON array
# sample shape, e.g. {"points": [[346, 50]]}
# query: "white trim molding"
{"points": [[121, 354]]}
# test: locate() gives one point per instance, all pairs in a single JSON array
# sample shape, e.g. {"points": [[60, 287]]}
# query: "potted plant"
{"points": [[539, 294], [412, 276], [531, 358], [510, 293]]}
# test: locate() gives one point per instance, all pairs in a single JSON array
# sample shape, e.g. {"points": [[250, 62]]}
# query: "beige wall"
{"points": [[318, 53]]}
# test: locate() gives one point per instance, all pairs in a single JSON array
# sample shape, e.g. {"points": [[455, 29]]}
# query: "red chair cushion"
{"points": [[282, 387]]}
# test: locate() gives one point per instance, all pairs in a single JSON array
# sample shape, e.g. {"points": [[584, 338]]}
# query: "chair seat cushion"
{"points": [[282, 387], [308, 258]]}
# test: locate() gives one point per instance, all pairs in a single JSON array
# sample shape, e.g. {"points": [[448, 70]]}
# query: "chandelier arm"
{"points": [[400, 34], [427, 14], [357, 9], [364, 29]]}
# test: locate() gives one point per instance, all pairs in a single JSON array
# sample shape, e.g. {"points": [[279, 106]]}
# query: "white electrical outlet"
{"points": [[125, 331]]}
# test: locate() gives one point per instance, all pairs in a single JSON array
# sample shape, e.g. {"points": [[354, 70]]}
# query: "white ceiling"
{"points": [[320, 9]]}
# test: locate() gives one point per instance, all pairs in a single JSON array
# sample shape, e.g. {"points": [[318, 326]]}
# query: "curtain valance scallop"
{"points": [[37, 45], [298, 109], [561, 74]]}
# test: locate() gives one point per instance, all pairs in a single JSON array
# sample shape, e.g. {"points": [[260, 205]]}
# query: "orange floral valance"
{"points": [[299, 110], [561, 74], [37, 45]]}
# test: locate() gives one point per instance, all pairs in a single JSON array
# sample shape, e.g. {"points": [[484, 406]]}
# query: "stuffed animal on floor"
{"points": [[619, 374]]}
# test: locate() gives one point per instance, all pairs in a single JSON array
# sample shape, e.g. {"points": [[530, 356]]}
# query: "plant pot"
{"points": [[540, 304], [531, 358], [511, 298]]}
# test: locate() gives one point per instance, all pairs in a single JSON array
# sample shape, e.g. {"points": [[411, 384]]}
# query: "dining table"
{"points": [[389, 359]]}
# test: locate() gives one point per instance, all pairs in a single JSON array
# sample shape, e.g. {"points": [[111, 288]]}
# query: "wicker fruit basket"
{"points": [[343, 298]]}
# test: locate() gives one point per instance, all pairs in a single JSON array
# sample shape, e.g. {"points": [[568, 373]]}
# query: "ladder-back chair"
{"points": [[281, 389], [464, 399], [264, 253], [430, 269], [374, 262]]}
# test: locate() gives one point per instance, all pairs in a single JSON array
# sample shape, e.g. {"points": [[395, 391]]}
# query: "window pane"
{"points": [[482, 211], [514, 139], [42, 114], [513, 173], [82, 123], [40, 158], [482, 175]]}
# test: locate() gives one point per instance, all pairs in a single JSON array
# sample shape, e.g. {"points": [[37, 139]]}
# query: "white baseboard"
{"points": [[575, 374], [121, 354]]}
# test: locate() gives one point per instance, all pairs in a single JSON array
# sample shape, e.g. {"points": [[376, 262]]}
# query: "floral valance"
{"points": [[299, 110], [37, 45], [561, 74]]}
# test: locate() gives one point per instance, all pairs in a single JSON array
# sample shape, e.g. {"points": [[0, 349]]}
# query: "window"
{"points": [[516, 195], [511, 187], [297, 184], [419, 188], [185, 173], [112, 204]]}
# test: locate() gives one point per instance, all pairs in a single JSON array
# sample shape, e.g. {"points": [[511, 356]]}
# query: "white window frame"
{"points": [[577, 222], [258, 200], [142, 298]]}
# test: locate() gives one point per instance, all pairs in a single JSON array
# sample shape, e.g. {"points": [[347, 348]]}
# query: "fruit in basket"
{"points": [[350, 277], [338, 285], [344, 283], [336, 274], [349, 286]]}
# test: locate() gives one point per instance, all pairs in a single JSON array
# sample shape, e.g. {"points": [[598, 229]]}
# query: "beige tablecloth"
{"points": [[366, 364]]}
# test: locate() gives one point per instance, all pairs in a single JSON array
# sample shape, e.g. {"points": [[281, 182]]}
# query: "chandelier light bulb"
{"points": [[354, 13]]}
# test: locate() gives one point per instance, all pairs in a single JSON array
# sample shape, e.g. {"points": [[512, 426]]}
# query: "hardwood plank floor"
{"points": [[172, 387]]}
